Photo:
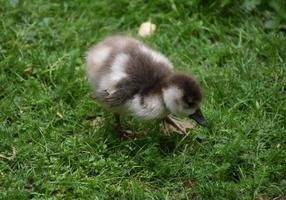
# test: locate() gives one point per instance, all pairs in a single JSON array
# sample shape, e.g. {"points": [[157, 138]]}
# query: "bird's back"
{"points": [[125, 66]]}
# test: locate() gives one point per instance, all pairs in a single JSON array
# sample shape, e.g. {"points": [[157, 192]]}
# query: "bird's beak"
{"points": [[199, 118]]}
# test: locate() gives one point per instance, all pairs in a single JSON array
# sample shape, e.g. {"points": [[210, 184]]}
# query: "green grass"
{"points": [[46, 113]]}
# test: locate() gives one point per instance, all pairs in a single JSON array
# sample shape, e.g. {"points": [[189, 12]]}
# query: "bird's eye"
{"points": [[191, 104]]}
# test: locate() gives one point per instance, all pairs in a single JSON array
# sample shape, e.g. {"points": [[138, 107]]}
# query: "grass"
{"points": [[46, 109]]}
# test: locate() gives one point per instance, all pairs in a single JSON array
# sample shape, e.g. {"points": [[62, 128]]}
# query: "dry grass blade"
{"points": [[172, 124], [14, 152]]}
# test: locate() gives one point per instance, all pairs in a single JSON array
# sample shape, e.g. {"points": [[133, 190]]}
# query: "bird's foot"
{"points": [[130, 133], [172, 124]]}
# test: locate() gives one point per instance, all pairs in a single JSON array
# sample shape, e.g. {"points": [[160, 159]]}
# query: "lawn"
{"points": [[236, 49]]}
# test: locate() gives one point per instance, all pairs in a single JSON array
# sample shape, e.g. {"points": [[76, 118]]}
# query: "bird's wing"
{"points": [[124, 90]]}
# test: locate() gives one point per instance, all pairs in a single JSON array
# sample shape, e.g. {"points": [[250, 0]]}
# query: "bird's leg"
{"points": [[119, 129], [122, 132]]}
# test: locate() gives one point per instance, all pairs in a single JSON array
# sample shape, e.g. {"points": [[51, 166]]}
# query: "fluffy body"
{"points": [[131, 78]]}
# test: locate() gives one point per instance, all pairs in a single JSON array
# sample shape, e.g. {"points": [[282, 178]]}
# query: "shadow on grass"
{"points": [[153, 138]]}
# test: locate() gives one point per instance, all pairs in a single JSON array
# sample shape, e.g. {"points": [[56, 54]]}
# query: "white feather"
{"points": [[117, 73], [173, 97], [118, 67], [95, 58], [153, 107]]}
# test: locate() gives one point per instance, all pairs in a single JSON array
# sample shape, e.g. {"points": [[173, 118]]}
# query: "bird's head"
{"points": [[183, 95]]}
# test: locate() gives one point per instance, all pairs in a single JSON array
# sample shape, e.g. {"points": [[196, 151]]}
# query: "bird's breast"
{"points": [[146, 107]]}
